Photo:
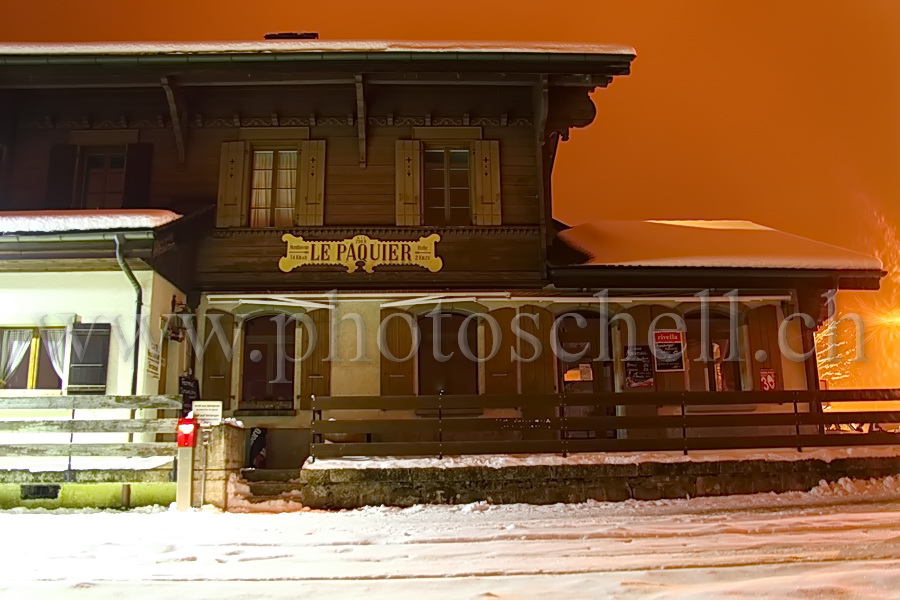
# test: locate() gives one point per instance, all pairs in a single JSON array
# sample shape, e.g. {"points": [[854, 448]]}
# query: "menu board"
{"points": [[638, 367], [668, 350]]}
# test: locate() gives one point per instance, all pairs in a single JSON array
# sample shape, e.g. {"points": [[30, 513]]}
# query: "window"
{"points": [[447, 186], [273, 188], [31, 358], [103, 177]]}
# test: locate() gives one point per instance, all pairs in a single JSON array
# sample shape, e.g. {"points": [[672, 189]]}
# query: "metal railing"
{"points": [[611, 422]]}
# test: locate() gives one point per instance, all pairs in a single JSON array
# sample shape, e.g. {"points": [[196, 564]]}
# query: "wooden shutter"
{"points": [[539, 375], [61, 176], [310, 182], [89, 360], [408, 182], [500, 375], [762, 331], [234, 184], [398, 378], [216, 383], [315, 371], [486, 181], [138, 165]]}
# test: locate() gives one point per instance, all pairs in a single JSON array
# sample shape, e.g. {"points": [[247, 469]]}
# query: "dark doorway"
{"points": [[715, 374], [456, 375], [582, 370], [266, 384]]}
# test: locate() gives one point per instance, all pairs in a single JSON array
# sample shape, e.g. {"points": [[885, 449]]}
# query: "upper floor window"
{"points": [[88, 175], [447, 183], [273, 188], [102, 177], [447, 189], [271, 183]]}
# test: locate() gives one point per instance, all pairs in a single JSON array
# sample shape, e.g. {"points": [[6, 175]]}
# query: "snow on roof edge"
{"points": [[64, 221], [296, 46]]}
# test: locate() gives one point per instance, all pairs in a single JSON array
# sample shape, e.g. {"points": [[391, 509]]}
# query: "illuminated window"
{"points": [[31, 358], [273, 188]]}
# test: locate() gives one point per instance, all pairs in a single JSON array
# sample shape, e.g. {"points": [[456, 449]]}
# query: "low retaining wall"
{"points": [[350, 488]]}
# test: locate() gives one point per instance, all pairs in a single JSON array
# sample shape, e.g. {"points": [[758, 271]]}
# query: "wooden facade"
{"points": [[330, 145]]}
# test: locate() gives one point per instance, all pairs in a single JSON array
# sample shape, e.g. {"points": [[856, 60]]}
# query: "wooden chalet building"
{"points": [[360, 187]]}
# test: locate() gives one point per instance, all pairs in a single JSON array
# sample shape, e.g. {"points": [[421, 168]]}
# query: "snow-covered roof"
{"points": [[698, 243], [312, 46], [58, 221]]}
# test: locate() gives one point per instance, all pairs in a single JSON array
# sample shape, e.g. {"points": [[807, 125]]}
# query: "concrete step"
{"points": [[271, 488], [270, 474]]}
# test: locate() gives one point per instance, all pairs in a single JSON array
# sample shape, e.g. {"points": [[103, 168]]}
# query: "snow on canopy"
{"points": [[699, 243], [52, 221], [288, 46]]}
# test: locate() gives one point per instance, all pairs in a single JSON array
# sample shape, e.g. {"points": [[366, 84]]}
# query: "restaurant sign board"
{"points": [[668, 350], [360, 250]]}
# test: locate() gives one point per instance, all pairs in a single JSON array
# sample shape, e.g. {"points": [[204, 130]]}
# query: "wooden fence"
{"points": [[455, 425], [79, 424]]}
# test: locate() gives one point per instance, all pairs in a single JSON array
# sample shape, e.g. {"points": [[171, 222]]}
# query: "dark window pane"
{"points": [[434, 216], [460, 216], [459, 178], [434, 198], [19, 379], [117, 161], [434, 178], [95, 161], [459, 199], [47, 379], [459, 158], [434, 158]]}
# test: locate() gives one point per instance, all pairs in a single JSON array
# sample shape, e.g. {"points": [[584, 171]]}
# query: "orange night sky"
{"points": [[785, 113]]}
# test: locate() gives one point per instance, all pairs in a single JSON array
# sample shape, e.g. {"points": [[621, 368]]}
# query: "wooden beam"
{"points": [[90, 426], [143, 450], [178, 116], [169, 401], [22, 477], [361, 120]]}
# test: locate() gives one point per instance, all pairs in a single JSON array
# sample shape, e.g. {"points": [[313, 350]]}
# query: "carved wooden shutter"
{"points": [[138, 165], [398, 378], [500, 369], [216, 384], [408, 182], [310, 183], [234, 184], [486, 181], [315, 371]]}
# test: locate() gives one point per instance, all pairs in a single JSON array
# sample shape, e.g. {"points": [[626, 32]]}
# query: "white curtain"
{"points": [[13, 346], [55, 343]]}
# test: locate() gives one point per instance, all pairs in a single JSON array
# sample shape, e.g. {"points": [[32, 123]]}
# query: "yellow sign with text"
{"points": [[360, 250]]}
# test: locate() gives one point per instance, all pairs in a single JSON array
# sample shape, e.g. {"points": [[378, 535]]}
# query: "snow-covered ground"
{"points": [[838, 541]]}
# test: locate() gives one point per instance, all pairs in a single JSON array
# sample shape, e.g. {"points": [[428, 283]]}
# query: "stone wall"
{"points": [[349, 488]]}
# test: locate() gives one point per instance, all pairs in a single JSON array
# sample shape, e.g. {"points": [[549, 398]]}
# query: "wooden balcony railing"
{"points": [[521, 424]]}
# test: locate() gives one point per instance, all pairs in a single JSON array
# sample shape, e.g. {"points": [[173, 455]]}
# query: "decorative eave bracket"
{"points": [[178, 116], [361, 119]]}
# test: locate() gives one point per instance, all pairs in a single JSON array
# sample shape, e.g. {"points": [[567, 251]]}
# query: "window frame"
{"points": [[81, 179], [274, 146], [447, 146], [33, 358]]}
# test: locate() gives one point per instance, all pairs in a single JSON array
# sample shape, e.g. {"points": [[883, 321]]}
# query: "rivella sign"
{"points": [[360, 249]]}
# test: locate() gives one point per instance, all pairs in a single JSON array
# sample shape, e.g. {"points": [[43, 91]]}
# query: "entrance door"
{"points": [[581, 373], [267, 375], [456, 375]]}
